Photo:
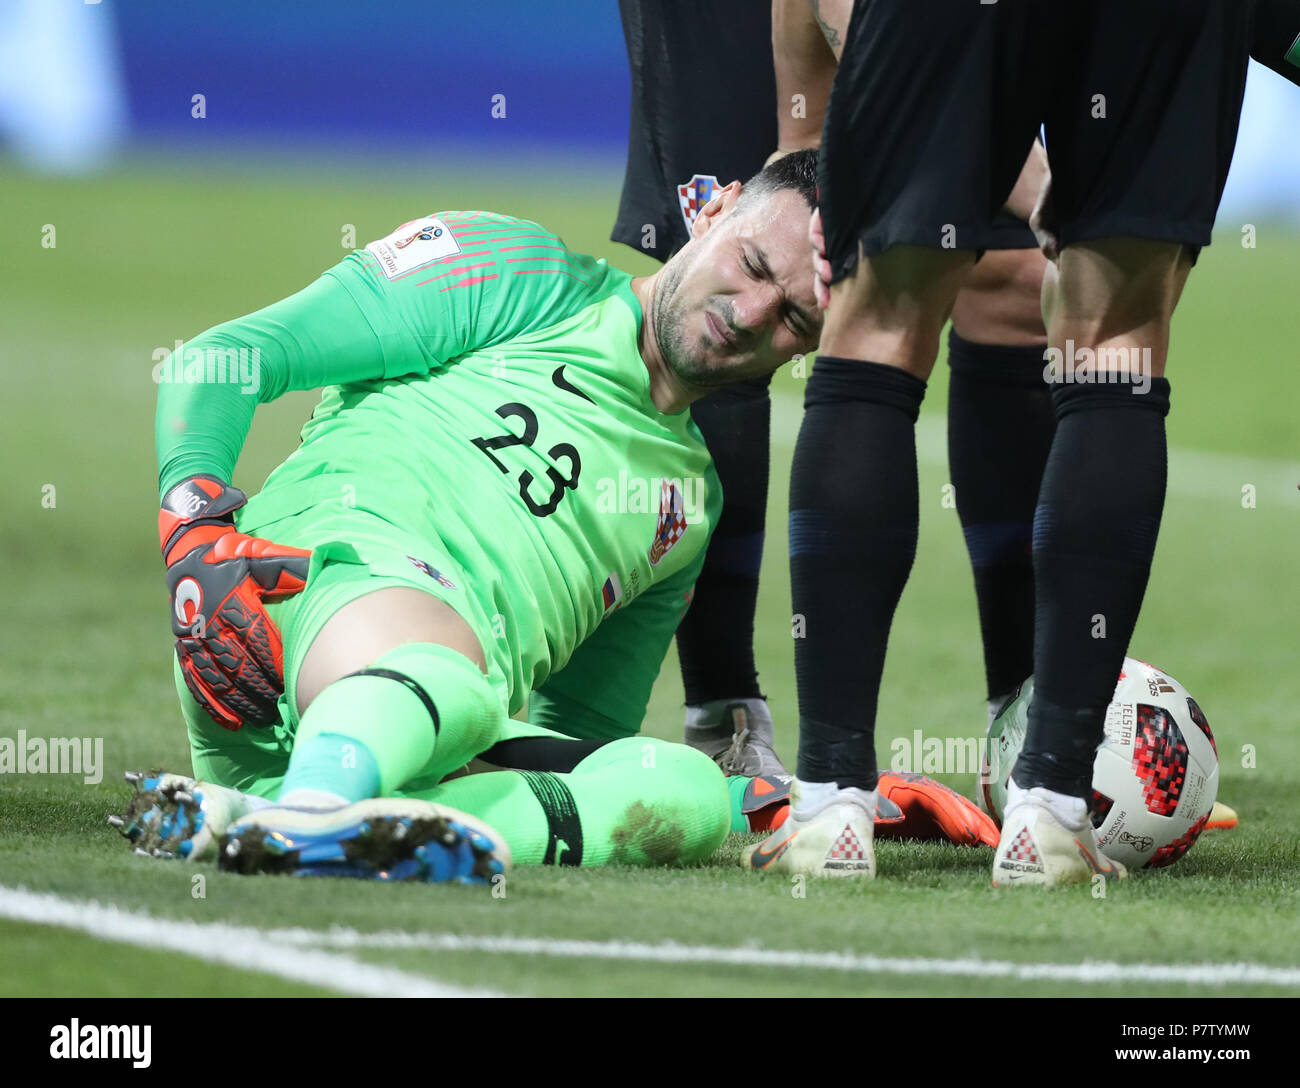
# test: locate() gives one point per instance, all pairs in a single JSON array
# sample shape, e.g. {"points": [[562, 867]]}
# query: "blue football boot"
{"points": [[382, 838]]}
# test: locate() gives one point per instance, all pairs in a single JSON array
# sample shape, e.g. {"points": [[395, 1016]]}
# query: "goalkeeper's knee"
{"points": [[422, 710]]}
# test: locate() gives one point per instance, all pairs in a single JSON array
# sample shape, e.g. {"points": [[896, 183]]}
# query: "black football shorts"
{"points": [[936, 104]]}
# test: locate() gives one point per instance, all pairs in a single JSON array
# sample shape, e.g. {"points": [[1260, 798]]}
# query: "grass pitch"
{"points": [[158, 251]]}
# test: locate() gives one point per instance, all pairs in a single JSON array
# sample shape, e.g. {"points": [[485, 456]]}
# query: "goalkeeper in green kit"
{"points": [[499, 506]]}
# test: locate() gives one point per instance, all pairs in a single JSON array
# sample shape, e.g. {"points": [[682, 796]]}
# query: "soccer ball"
{"points": [[1156, 773]]}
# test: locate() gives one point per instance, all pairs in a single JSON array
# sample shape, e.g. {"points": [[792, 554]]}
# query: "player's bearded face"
{"points": [[737, 302]]}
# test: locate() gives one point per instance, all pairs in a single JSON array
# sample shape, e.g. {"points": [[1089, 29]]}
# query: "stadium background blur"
{"points": [[326, 124]]}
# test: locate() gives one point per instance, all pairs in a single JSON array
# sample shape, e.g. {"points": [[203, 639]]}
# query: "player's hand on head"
{"points": [[932, 811], [218, 578], [821, 266]]}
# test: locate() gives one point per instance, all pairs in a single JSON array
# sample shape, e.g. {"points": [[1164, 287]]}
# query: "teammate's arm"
{"points": [[602, 692], [805, 54]]}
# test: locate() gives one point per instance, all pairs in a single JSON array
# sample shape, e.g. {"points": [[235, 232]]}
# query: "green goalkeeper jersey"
{"points": [[484, 388]]}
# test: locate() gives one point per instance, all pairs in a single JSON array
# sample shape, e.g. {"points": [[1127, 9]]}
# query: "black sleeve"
{"points": [[1277, 37]]}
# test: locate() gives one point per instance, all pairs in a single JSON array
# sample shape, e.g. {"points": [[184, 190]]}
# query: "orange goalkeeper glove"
{"points": [[230, 652], [932, 811]]}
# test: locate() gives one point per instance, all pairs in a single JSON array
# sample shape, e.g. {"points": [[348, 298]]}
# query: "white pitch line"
{"points": [[296, 954], [1207, 974], [243, 947]]}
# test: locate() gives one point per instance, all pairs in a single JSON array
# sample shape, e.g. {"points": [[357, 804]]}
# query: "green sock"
{"points": [[329, 769], [418, 711], [635, 801], [736, 786]]}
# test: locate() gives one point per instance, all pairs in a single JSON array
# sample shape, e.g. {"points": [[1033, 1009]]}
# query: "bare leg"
{"points": [[1120, 293], [362, 631], [893, 308]]}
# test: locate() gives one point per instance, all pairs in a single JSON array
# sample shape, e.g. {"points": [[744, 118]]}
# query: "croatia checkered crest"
{"points": [[672, 521], [694, 194]]}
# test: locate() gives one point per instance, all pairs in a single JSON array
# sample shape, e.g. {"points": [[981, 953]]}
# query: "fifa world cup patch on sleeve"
{"points": [[414, 245]]}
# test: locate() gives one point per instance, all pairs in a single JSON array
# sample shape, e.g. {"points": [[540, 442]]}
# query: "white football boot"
{"points": [[737, 734], [173, 815], [829, 832], [1222, 817], [1047, 838]]}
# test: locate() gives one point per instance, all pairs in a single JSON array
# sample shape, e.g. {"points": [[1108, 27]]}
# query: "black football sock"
{"points": [[853, 521], [1094, 534], [1000, 426], [715, 642]]}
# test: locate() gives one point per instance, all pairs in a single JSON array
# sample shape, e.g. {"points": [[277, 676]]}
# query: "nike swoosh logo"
{"points": [[1092, 861], [761, 858], [561, 382]]}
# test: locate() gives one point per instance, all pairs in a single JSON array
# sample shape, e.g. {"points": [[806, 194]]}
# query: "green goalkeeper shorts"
{"points": [[354, 553]]}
